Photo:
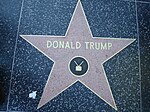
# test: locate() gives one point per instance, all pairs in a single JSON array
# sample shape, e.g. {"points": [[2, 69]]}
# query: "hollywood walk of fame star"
{"points": [[60, 77]]}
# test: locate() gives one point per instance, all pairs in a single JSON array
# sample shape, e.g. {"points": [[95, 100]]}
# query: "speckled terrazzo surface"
{"points": [[27, 71], [144, 28]]}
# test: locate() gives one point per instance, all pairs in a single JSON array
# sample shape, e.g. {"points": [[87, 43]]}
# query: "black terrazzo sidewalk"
{"points": [[24, 69]]}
